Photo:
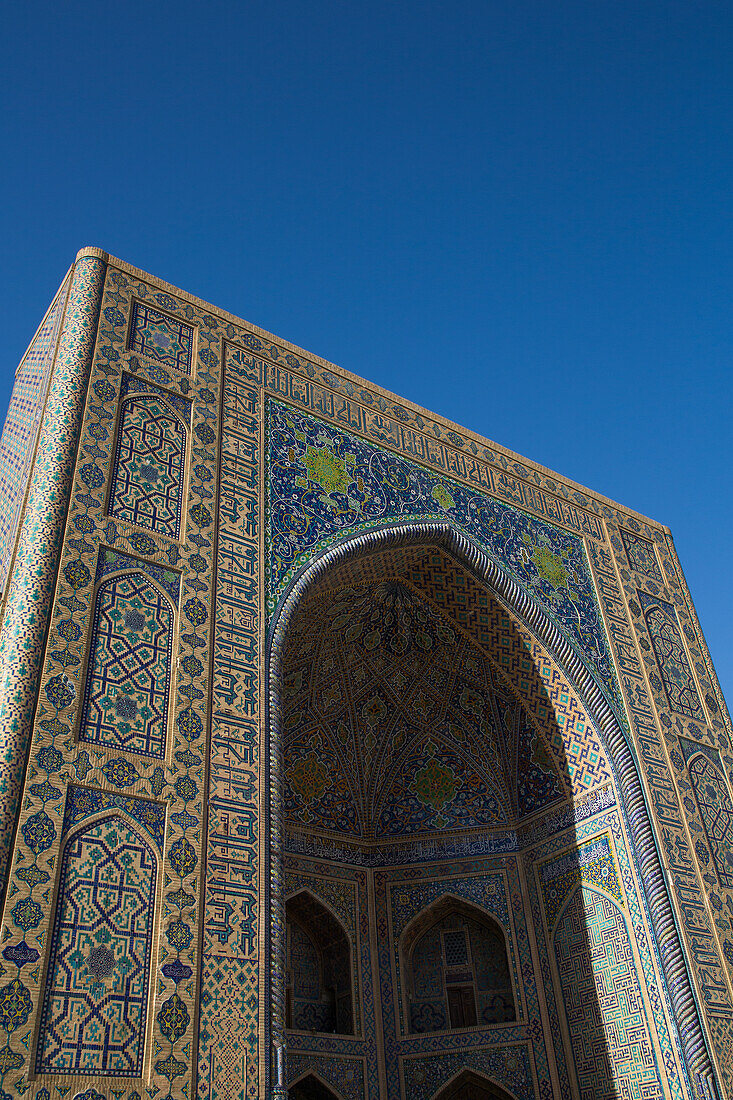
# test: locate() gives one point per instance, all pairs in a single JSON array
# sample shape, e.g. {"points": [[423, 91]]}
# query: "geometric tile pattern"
{"points": [[113, 561], [605, 1012], [84, 802], [348, 607], [591, 864], [674, 812], [517, 655], [445, 943], [347, 1076], [128, 682], [600, 845], [22, 423], [95, 1005], [147, 482], [160, 337], [641, 556], [404, 900], [669, 649], [509, 1065], [133, 384], [331, 1057], [367, 733], [714, 802]]}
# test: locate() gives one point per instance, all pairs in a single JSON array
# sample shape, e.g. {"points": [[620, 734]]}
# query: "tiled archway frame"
{"points": [[621, 755]]}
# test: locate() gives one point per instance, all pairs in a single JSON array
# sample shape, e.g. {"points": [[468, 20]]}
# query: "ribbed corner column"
{"points": [[32, 580]]}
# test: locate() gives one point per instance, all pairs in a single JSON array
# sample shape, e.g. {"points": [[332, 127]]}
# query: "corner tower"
{"points": [[346, 754]]}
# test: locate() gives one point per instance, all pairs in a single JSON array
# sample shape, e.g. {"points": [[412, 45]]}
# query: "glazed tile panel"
{"points": [[95, 1007], [128, 682], [641, 555], [604, 1006], [148, 479], [669, 650], [156, 335], [382, 723], [131, 604], [32, 579], [712, 796], [593, 919]]}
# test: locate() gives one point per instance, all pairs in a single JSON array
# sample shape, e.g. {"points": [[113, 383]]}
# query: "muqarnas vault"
{"points": [[345, 754]]}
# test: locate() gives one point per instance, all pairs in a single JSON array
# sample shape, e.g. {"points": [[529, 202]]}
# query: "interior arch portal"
{"points": [[414, 725]]}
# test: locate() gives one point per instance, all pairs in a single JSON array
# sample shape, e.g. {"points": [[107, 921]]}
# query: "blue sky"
{"points": [[516, 214]]}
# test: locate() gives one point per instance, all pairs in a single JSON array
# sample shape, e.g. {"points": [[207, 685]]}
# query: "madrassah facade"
{"points": [[345, 754]]}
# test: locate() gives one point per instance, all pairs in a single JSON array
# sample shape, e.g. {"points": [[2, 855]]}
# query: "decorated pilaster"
{"points": [[33, 576]]}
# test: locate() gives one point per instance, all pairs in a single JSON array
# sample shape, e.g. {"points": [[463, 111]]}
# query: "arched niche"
{"points": [[455, 967], [311, 1087], [128, 676], [528, 611], [672, 659], [318, 993], [713, 798], [469, 1085], [149, 465], [95, 1008]]}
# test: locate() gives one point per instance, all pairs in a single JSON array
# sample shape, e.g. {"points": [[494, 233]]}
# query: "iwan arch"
{"points": [[346, 754]]}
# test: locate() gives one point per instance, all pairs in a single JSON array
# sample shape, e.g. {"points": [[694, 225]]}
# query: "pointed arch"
{"points": [[127, 690], [149, 465], [618, 748], [311, 1086], [94, 1014], [470, 1085], [436, 909], [318, 983], [455, 967]]}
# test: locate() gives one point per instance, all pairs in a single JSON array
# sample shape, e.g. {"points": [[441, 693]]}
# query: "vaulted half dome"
{"points": [[398, 721]]}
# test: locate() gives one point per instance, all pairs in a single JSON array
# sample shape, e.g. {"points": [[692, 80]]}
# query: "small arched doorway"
{"points": [[317, 969], [311, 1088], [456, 969], [470, 1086]]}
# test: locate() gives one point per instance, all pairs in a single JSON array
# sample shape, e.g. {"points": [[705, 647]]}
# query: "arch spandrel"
{"points": [[326, 484], [311, 1087]]}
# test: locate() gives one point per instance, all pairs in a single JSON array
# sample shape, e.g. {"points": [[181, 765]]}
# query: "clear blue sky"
{"points": [[516, 214]]}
